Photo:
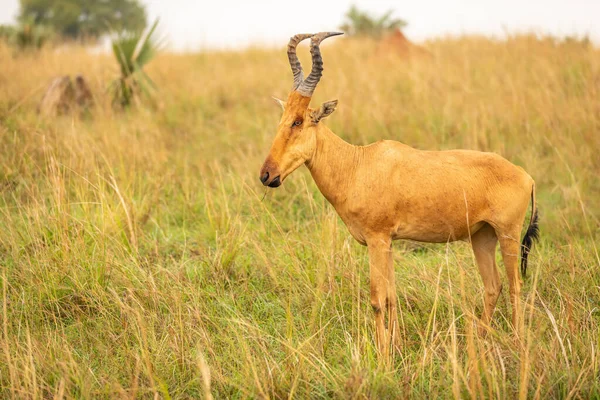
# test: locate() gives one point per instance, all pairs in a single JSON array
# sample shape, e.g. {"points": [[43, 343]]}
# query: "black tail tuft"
{"points": [[532, 234]]}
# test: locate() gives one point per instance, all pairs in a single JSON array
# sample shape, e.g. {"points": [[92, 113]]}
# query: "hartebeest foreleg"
{"points": [[484, 247], [383, 292]]}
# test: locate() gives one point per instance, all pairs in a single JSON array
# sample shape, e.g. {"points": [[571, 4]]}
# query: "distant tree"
{"points": [[6, 32], [85, 18], [25, 35], [361, 23]]}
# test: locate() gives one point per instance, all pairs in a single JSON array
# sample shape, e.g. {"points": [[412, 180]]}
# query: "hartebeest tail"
{"points": [[388, 191], [532, 234]]}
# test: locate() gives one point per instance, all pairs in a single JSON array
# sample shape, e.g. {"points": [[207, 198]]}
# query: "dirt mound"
{"points": [[62, 96], [396, 43]]}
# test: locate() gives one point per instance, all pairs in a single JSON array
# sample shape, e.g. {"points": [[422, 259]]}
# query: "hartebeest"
{"points": [[388, 190]]}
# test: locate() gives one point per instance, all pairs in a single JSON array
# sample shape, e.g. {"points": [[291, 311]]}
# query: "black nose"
{"points": [[275, 183], [264, 178]]}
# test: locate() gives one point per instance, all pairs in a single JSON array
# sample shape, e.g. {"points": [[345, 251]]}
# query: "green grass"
{"points": [[141, 257]]}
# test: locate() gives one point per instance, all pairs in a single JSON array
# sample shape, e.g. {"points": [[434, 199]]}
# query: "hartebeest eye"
{"points": [[297, 122]]}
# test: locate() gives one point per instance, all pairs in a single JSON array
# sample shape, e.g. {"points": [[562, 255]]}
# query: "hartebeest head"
{"points": [[295, 141]]}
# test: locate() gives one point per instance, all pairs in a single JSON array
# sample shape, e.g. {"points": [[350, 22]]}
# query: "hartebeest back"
{"points": [[388, 190]]}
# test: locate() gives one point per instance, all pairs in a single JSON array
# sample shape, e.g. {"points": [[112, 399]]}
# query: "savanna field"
{"points": [[140, 257]]}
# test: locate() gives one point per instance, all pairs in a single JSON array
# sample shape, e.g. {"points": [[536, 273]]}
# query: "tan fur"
{"points": [[387, 191]]}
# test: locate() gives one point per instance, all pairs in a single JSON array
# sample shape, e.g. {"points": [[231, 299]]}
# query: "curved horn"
{"points": [[294, 62], [308, 86]]}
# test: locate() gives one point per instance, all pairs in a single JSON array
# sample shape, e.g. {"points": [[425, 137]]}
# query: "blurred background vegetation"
{"points": [[362, 23], [84, 19], [59, 22], [40, 21]]}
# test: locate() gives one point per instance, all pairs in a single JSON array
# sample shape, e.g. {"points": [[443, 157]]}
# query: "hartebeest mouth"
{"points": [[275, 182]]}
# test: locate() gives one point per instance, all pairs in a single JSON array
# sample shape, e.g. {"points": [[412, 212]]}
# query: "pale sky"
{"points": [[190, 25]]}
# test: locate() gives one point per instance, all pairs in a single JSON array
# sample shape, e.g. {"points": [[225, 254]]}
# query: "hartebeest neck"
{"points": [[333, 165]]}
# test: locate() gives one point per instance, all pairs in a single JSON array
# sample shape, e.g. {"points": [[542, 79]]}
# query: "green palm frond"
{"points": [[147, 47], [123, 49]]}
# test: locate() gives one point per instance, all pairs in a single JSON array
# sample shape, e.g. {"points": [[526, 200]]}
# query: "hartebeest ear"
{"points": [[326, 109], [280, 102]]}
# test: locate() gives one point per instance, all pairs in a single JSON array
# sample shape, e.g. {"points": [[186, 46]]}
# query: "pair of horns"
{"points": [[307, 86]]}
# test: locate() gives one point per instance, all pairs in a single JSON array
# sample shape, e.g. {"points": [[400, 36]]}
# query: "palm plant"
{"points": [[361, 23], [133, 51]]}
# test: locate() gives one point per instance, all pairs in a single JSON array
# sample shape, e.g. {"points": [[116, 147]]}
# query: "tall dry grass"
{"points": [[141, 257]]}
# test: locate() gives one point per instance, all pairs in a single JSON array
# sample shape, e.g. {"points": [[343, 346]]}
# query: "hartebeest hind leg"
{"points": [[382, 291], [509, 245], [392, 301], [484, 247]]}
